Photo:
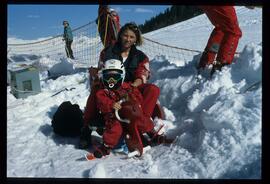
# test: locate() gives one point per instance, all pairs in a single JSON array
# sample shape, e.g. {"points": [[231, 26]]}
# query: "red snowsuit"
{"points": [[224, 38], [105, 99], [150, 92]]}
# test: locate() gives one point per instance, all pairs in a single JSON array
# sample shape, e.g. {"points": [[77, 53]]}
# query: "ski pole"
{"points": [[66, 89]]}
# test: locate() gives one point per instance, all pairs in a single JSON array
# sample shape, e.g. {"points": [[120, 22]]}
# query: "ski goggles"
{"points": [[112, 76]]}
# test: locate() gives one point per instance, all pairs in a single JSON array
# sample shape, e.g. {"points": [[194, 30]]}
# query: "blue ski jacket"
{"points": [[68, 36]]}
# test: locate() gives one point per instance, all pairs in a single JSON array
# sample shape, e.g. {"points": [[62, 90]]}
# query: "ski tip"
{"points": [[90, 156], [137, 153]]}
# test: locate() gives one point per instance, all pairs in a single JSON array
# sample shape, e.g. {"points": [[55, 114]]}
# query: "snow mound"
{"points": [[217, 118], [64, 67], [216, 122]]}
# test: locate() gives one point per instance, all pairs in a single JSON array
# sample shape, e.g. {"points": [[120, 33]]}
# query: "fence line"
{"points": [[86, 47]]}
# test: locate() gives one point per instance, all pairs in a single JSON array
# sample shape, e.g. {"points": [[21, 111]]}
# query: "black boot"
{"points": [[156, 139], [217, 66], [101, 151], [85, 137], [145, 140], [206, 58]]}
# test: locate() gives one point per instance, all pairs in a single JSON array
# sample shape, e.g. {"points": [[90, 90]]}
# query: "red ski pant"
{"points": [[114, 130], [150, 93], [224, 38]]}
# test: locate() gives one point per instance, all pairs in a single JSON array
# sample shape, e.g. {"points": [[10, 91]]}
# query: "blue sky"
{"points": [[36, 21]]}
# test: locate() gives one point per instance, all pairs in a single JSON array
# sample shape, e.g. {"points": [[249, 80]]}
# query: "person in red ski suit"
{"points": [[108, 24], [107, 103], [223, 40], [136, 64], [108, 100]]}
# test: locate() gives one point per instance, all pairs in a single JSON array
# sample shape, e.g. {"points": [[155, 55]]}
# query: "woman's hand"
{"points": [[136, 83], [117, 106]]}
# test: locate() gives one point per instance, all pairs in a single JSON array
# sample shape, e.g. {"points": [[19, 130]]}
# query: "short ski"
{"points": [[90, 156], [137, 153]]}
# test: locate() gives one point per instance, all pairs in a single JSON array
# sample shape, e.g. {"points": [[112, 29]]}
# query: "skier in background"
{"points": [[108, 24], [68, 38], [223, 40]]}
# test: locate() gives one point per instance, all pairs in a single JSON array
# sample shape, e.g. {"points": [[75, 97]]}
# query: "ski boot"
{"points": [[101, 151], [217, 65], [157, 138], [206, 59]]}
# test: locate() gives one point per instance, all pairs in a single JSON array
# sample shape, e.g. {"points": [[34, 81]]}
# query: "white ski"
{"points": [[134, 153], [90, 156]]}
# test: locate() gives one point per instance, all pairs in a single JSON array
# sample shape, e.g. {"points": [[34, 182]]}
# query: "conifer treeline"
{"points": [[170, 16]]}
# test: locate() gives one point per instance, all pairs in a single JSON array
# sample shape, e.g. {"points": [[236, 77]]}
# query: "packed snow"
{"points": [[216, 121]]}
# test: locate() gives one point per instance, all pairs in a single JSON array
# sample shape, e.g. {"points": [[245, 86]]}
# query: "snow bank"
{"points": [[220, 116], [217, 123], [64, 67]]}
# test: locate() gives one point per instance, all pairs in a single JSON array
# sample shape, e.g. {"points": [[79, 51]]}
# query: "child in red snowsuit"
{"points": [[108, 101], [223, 40], [107, 104]]}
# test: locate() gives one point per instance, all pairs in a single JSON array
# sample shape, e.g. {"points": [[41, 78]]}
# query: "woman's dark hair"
{"points": [[133, 27]]}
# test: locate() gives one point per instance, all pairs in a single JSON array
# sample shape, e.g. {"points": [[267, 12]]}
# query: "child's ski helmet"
{"points": [[113, 74]]}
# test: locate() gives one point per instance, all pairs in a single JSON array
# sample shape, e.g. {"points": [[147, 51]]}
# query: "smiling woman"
{"points": [[22, 17]]}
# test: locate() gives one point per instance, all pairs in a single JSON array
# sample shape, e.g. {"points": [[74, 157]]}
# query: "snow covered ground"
{"points": [[217, 121]]}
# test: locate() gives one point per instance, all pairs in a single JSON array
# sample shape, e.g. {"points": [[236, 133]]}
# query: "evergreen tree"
{"points": [[170, 16]]}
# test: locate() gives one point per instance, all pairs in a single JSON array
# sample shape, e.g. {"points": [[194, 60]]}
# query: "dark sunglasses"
{"points": [[108, 76]]}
